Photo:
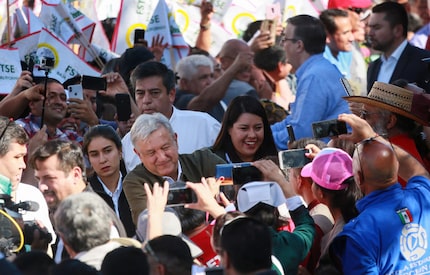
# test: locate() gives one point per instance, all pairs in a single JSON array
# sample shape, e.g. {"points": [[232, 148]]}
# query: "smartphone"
{"points": [[347, 86], [76, 91], [123, 107], [328, 128], [293, 158], [180, 196], [226, 171], [270, 26], [94, 83], [214, 271], [243, 175], [139, 36], [291, 133]]}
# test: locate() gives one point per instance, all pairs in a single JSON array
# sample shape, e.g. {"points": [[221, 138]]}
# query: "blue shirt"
{"points": [[379, 241], [319, 97], [342, 61]]}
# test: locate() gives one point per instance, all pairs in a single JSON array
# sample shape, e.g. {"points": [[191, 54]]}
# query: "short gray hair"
{"points": [[146, 124], [84, 221], [187, 67]]}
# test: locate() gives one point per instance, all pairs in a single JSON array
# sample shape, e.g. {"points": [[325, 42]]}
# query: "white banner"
{"points": [[133, 14], [10, 69], [66, 63], [66, 21], [26, 22], [162, 23]]}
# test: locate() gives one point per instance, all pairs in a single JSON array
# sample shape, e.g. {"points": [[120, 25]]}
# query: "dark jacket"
{"points": [[123, 207], [409, 67], [194, 166]]}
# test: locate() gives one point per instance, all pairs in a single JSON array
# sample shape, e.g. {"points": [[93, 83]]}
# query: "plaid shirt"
{"points": [[31, 125]]}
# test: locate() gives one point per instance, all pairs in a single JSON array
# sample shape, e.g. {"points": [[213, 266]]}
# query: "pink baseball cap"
{"points": [[345, 4], [329, 169]]}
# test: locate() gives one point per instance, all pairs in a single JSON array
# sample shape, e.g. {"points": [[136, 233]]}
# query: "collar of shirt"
{"points": [[397, 52], [115, 195], [172, 181]]}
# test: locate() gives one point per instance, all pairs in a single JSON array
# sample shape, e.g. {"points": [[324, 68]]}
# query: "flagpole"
{"points": [[8, 22], [79, 35]]}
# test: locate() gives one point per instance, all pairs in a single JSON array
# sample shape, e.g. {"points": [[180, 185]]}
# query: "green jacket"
{"points": [[292, 248], [194, 166]]}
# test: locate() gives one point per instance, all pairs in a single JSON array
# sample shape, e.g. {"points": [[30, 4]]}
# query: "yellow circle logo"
{"points": [[238, 18], [48, 51], [182, 19], [130, 30]]}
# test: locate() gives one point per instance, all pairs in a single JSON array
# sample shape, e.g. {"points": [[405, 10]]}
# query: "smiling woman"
{"points": [[245, 133], [103, 147]]}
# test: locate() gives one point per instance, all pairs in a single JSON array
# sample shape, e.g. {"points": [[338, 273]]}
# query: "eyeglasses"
{"points": [[5, 128], [364, 114]]}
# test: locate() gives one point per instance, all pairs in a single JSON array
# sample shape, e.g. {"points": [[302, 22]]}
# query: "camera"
{"points": [[30, 227], [47, 63]]}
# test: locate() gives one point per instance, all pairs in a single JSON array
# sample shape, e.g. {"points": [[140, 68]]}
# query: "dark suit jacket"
{"points": [[123, 207], [409, 67]]}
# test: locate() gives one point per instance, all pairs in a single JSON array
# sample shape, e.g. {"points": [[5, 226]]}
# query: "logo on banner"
{"points": [[130, 32], [241, 21], [47, 50]]}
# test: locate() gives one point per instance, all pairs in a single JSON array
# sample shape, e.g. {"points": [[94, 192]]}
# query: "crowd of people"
{"points": [[190, 182]]}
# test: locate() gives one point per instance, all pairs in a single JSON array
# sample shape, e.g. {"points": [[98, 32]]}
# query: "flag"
{"points": [[101, 52], [26, 22], [27, 47], [405, 215], [11, 5], [99, 38], [67, 22], [133, 14], [163, 23], [67, 64], [10, 69]]}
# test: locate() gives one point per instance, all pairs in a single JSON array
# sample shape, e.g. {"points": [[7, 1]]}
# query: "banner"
{"points": [[10, 69], [133, 14], [27, 47], [26, 22], [66, 63], [162, 24], [66, 21]]}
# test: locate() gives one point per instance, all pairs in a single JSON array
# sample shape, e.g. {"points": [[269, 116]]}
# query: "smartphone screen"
{"points": [[180, 196], [94, 83], [139, 36], [123, 107], [243, 175], [226, 171], [291, 133], [294, 158], [328, 128]]}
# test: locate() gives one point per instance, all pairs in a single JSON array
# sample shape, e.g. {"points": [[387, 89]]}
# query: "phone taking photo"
{"points": [[294, 158], [76, 91], [347, 86], [180, 196], [329, 128], [94, 83], [123, 106]]}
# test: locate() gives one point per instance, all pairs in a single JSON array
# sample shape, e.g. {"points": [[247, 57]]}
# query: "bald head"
{"points": [[233, 47], [375, 165]]}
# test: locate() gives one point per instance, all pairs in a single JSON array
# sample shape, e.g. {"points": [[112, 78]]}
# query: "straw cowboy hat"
{"points": [[398, 100]]}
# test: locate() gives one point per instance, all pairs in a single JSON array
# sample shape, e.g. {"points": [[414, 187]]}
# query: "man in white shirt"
{"points": [[388, 26], [154, 87]]}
